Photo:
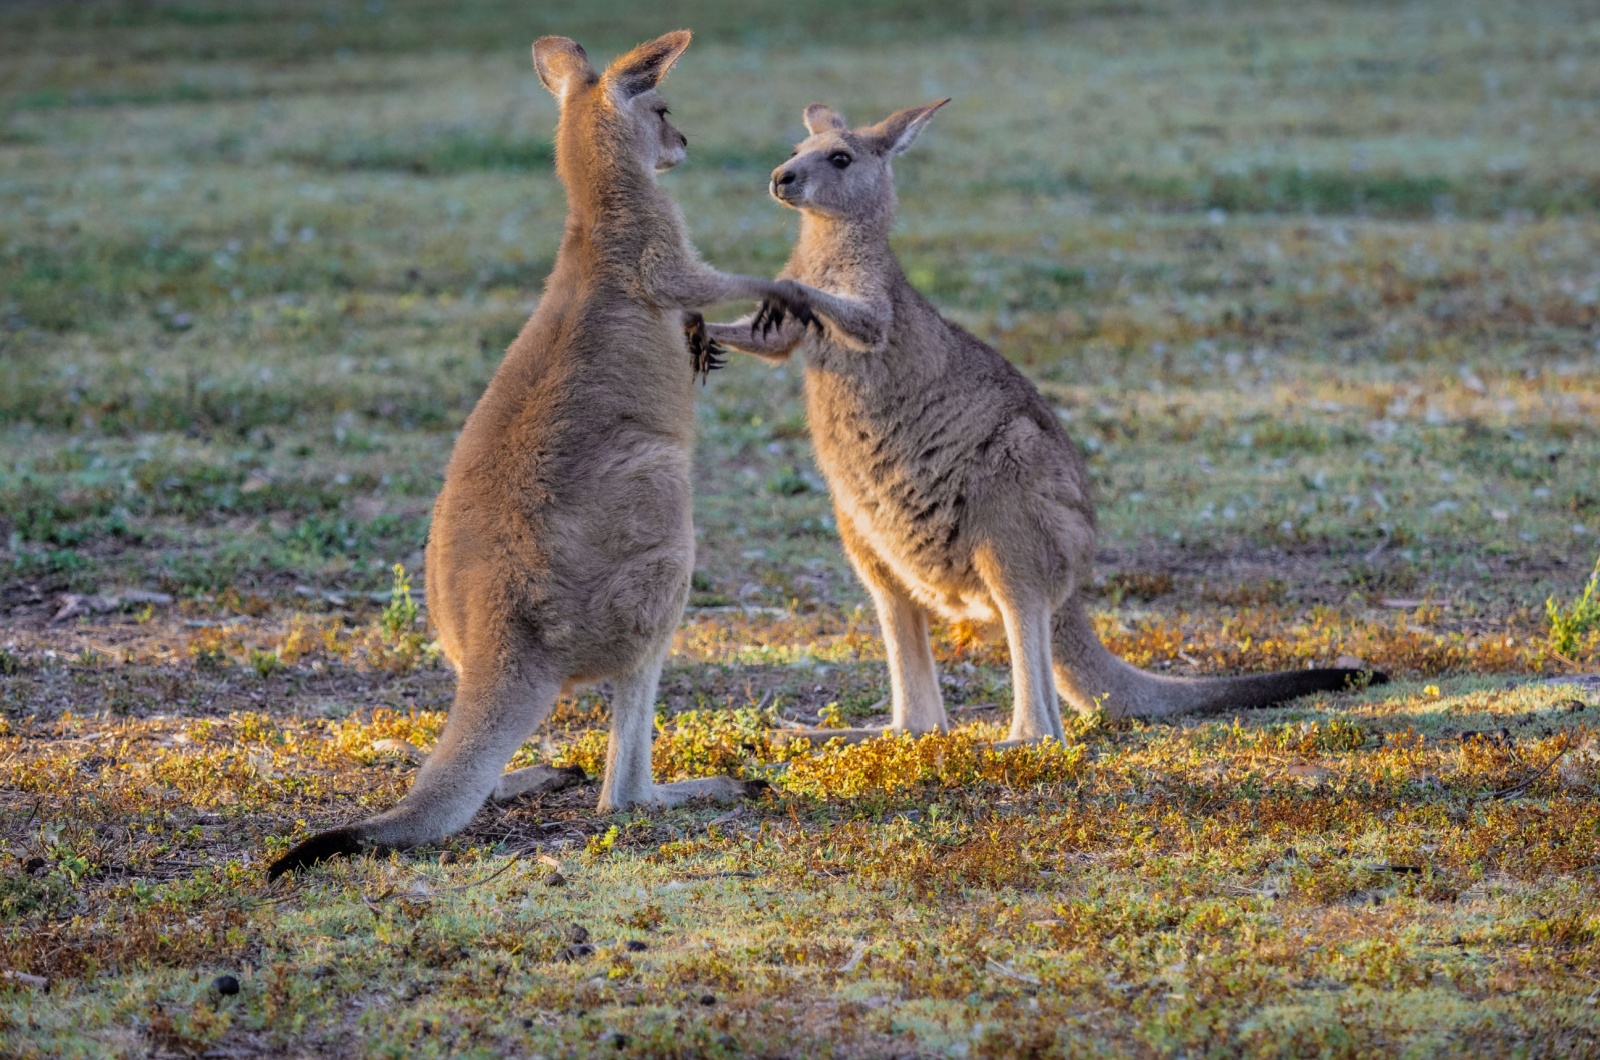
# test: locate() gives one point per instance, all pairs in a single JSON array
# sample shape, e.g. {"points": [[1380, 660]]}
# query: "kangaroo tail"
{"points": [[483, 732], [1087, 674]]}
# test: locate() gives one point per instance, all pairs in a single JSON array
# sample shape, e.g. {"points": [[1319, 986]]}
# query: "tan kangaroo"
{"points": [[561, 546], [956, 490]]}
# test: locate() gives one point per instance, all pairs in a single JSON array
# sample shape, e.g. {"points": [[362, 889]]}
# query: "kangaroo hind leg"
{"points": [[629, 780], [1026, 612], [491, 717], [916, 705]]}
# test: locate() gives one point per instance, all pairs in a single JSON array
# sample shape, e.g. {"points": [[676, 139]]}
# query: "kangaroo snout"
{"points": [[785, 182]]}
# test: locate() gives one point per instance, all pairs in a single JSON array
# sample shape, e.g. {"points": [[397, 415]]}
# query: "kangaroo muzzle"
{"points": [[785, 185]]}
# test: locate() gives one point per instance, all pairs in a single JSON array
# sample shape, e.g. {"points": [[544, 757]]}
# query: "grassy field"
{"points": [[1315, 287]]}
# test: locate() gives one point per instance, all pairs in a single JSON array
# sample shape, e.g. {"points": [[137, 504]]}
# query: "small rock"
{"points": [[226, 985], [577, 952], [577, 933], [708, 999], [555, 879], [635, 946]]}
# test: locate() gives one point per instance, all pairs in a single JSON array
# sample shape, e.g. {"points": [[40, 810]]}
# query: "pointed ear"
{"points": [[899, 130], [562, 65], [820, 117], [644, 68]]}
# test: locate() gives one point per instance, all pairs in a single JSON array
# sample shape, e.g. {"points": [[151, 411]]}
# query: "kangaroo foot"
{"points": [[818, 737], [1006, 745], [324, 846], [721, 789], [536, 780]]}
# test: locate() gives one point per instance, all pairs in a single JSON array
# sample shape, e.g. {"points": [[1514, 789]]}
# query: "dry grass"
{"points": [[1314, 289]]}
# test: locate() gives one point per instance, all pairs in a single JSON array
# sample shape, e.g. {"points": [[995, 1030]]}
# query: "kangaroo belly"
{"points": [[899, 478]]}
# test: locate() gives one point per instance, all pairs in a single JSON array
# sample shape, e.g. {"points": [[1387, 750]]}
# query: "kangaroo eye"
{"points": [[840, 160], [663, 111]]}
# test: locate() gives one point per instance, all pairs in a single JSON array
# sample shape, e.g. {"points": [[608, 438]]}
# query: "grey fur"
{"points": [[561, 545], [956, 490]]}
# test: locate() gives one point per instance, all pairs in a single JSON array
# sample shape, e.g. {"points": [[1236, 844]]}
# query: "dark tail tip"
{"points": [[324, 846], [1343, 678]]}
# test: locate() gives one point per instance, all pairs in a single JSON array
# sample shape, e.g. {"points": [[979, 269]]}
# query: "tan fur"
{"points": [[956, 490], [561, 546]]}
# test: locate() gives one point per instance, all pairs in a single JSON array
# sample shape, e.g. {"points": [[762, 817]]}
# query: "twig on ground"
{"points": [[1011, 973], [27, 979], [372, 903], [1524, 785], [510, 861]]}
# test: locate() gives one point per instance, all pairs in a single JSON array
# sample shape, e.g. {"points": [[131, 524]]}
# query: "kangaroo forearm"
{"points": [[774, 347], [692, 288], [859, 323]]}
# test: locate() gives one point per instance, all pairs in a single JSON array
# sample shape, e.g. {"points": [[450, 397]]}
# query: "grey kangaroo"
{"points": [[561, 546], [956, 490]]}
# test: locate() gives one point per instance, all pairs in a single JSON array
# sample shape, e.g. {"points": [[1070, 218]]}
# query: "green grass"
{"points": [[1312, 286]]}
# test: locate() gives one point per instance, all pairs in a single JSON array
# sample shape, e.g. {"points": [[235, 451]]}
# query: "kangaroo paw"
{"points": [[769, 316], [324, 846], [706, 355]]}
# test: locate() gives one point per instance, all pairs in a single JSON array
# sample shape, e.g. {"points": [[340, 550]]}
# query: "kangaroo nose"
{"points": [[784, 178]]}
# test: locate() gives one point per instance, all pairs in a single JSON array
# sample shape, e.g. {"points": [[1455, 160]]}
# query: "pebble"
{"points": [[635, 946], [555, 879]]}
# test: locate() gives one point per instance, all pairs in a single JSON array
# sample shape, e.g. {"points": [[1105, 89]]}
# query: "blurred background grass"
{"points": [[1314, 285]]}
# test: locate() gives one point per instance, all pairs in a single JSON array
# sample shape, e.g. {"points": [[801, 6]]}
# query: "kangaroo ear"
{"points": [[820, 117], [562, 65], [899, 130], [644, 68]]}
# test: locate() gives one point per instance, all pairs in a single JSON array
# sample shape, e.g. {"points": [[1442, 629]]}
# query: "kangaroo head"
{"points": [[844, 172], [618, 113]]}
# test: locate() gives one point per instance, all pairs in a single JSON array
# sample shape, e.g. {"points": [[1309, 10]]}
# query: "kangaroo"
{"points": [[561, 545], [955, 488]]}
